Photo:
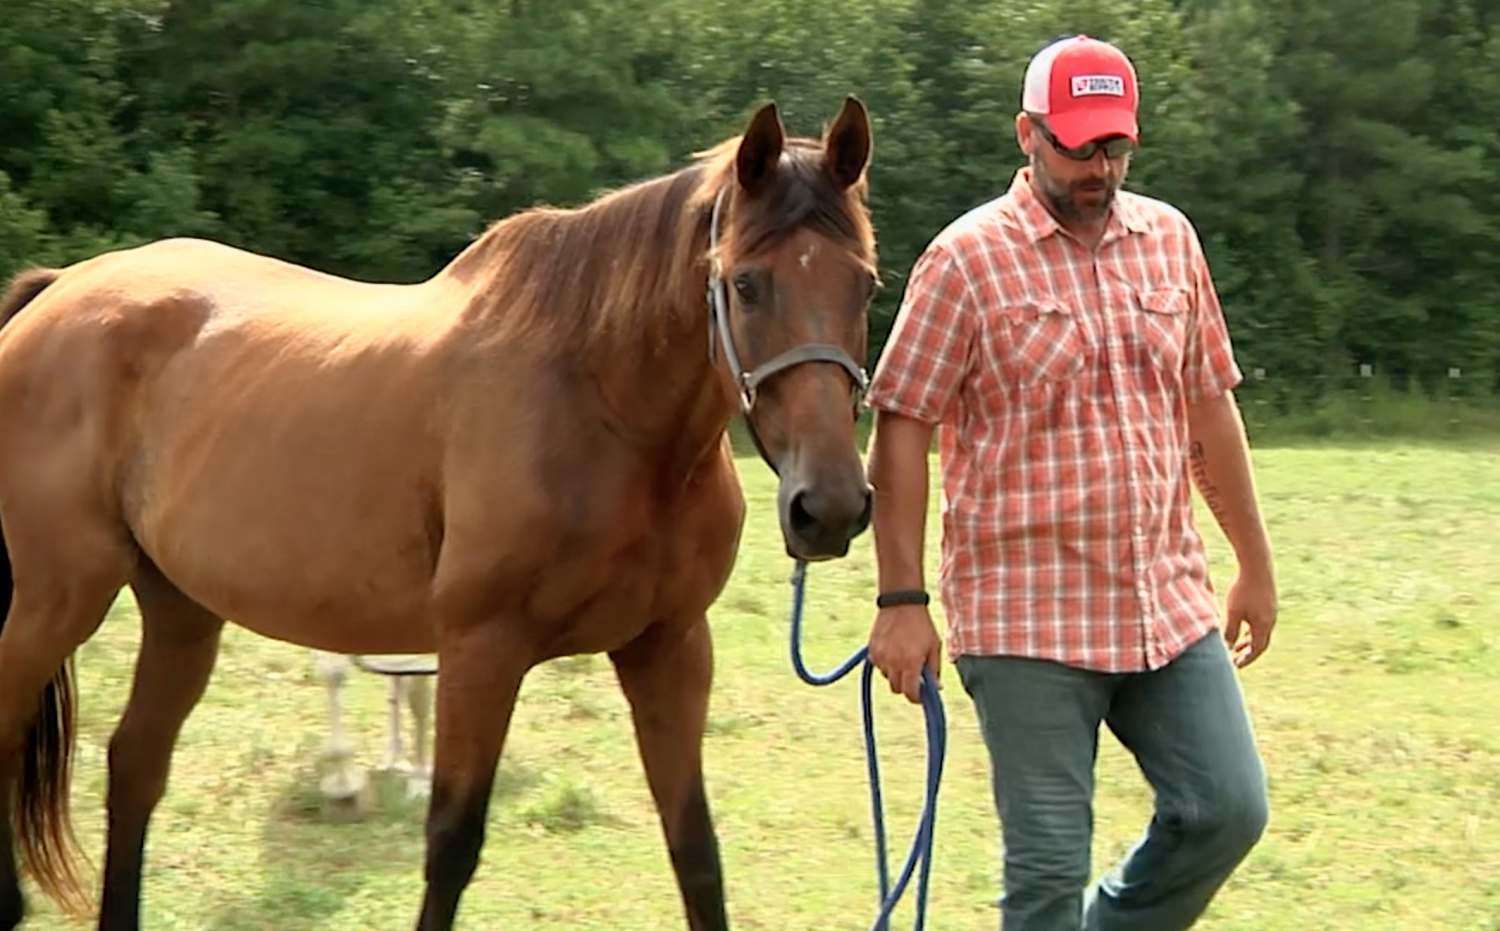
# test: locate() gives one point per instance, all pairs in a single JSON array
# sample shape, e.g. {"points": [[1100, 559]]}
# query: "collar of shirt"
{"points": [[1028, 214]]}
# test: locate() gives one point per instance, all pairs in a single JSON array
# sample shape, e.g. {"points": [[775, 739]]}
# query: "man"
{"points": [[1068, 339]]}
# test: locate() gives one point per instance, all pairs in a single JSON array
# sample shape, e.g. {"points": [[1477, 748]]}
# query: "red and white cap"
{"points": [[1085, 88]]}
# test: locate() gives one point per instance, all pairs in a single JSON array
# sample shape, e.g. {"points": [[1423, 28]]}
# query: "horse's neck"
{"points": [[628, 308], [658, 382], [648, 346]]}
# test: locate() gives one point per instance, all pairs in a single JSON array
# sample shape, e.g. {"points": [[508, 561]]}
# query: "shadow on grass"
{"points": [[314, 863]]}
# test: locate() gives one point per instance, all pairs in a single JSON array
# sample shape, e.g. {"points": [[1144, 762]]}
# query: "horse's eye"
{"points": [[744, 286]]}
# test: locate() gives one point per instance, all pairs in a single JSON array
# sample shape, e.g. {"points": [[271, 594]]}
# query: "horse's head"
{"points": [[794, 271]]}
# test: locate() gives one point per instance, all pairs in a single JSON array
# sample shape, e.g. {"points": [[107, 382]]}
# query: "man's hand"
{"points": [[1251, 617], [902, 641]]}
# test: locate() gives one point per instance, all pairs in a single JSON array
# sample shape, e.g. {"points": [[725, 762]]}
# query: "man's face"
{"points": [[1078, 189]]}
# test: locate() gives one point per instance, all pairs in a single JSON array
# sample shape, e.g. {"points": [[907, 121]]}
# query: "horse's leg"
{"points": [[12, 905], [395, 753], [11, 911], [344, 781], [419, 700], [67, 575], [179, 643], [476, 694], [666, 674]]}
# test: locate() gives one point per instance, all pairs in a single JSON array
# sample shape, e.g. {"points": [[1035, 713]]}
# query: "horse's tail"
{"points": [[40, 814], [23, 290], [49, 848]]}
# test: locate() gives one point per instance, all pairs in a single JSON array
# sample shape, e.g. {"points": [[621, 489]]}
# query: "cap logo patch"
{"points": [[1091, 85]]}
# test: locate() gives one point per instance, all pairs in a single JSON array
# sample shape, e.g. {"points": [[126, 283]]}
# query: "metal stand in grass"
{"points": [[408, 682], [932, 706]]}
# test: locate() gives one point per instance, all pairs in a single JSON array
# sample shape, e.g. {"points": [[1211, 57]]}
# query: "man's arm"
{"points": [[904, 638], [898, 472], [922, 367], [1219, 460], [1219, 456]]}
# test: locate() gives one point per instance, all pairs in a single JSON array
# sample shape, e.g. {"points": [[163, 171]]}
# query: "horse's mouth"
{"points": [[819, 524]]}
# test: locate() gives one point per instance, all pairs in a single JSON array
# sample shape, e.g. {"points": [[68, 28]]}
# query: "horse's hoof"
{"points": [[347, 796], [397, 768], [419, 788]]}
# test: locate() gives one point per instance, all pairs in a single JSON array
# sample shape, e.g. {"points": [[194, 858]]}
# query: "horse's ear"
{"points": [[847, 143], [760, 149]]}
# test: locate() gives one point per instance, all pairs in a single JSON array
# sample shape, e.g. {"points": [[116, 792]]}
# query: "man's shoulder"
{"points": [[1156, 215], [978, 231]]}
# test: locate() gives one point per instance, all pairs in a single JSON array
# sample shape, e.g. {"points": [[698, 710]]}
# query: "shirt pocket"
{"points": [[1161, 326], [1037, 344]]}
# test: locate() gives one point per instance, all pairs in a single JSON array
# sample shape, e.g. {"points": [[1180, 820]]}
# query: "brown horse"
{"points": [[523, 457]]}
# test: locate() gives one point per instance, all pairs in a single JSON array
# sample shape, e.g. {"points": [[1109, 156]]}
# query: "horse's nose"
{"points": [[821, 520]]}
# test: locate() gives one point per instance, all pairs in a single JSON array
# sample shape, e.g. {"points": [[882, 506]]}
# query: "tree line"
{"points": [[1340, 158]]}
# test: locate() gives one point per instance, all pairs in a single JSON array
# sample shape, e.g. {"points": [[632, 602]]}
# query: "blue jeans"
{"points": [[1186, 725]]}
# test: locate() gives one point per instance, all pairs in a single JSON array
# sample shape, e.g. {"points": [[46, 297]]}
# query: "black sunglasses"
{"points": [[1114, 146]]}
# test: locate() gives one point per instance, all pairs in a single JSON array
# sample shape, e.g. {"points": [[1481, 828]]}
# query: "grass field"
{"points": [[1376, 711]]}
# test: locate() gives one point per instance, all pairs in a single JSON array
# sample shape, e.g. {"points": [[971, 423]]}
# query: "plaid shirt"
{"points": [[1059, 378]]}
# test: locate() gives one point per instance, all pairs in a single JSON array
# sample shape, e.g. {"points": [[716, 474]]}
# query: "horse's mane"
{"points": [[625, 262]]}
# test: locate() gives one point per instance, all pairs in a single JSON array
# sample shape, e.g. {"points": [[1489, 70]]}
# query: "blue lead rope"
{"points": [[937, 733]]}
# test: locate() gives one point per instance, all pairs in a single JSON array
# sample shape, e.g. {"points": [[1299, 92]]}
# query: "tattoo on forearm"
{"points": [[1198, 460]]}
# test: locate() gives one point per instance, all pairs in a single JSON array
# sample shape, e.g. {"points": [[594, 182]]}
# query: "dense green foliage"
{"points": [[1341, 159]]}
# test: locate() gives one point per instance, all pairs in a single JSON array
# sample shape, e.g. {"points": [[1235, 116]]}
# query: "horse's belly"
{"points": [[306, 519], [327, 576]]}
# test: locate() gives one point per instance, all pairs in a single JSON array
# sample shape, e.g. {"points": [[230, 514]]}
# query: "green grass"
{"points": [[1368, 408], [1376, 712]]}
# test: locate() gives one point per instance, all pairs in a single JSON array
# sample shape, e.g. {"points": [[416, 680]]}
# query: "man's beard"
{"points": [[1064, 197]]}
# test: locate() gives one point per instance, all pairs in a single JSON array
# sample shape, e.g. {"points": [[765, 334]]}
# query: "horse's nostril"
{"points": [[810, 514], [799, 519]]}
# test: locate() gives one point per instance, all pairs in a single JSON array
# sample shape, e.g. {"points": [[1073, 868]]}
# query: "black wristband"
{"points": [[906, 597]]}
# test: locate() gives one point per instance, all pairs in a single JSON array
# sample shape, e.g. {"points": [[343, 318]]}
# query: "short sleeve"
{"points": [[929, 349], [1209, 368]]}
